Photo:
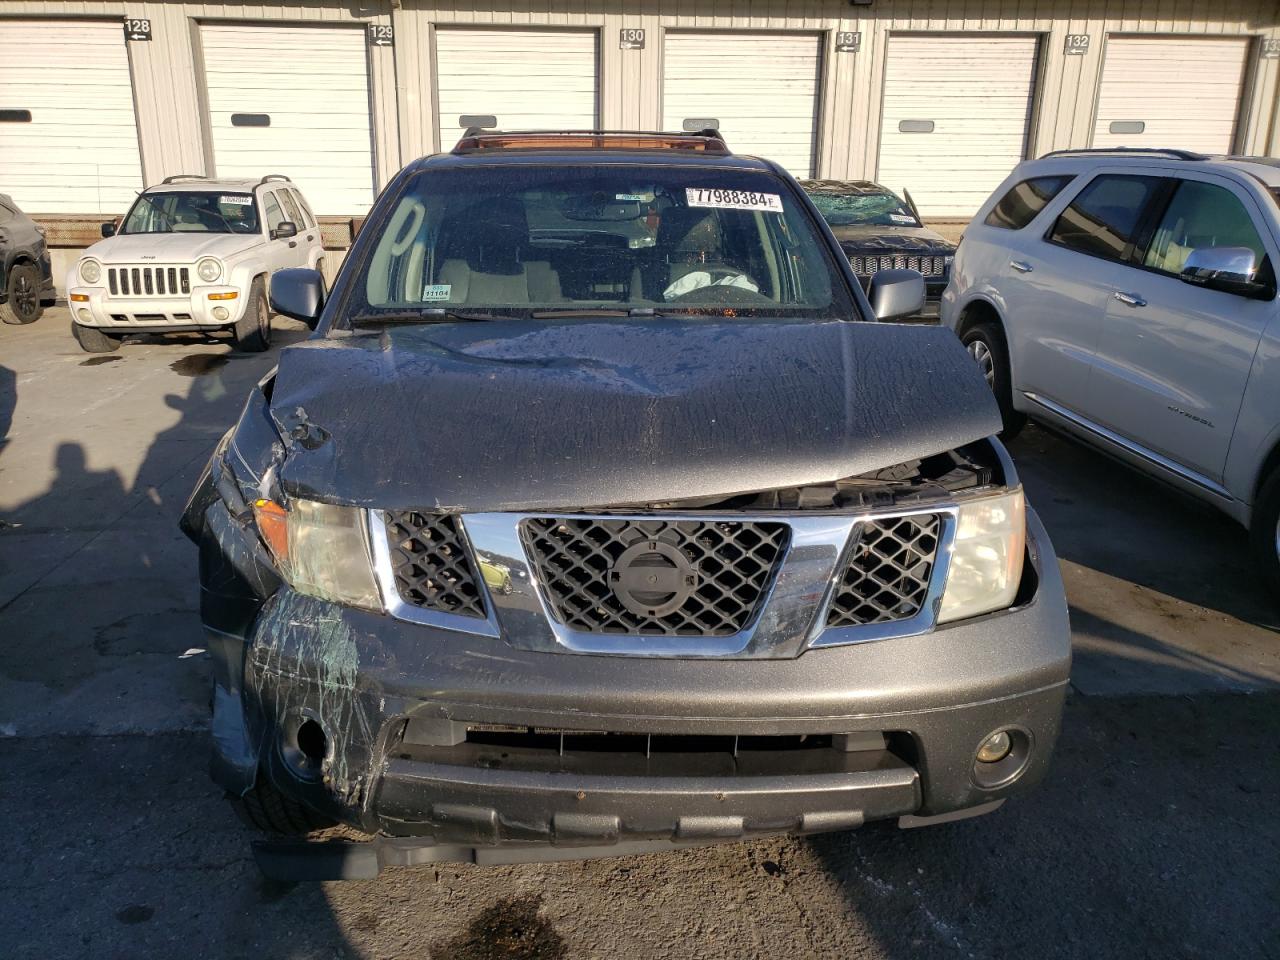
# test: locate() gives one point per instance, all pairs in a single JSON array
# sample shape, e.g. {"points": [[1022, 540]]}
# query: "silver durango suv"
{"points": [[1129, 297]]}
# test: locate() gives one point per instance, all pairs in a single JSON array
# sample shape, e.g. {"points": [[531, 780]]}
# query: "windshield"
{"points": [[197, 211], [520, 240], [871, 207]]}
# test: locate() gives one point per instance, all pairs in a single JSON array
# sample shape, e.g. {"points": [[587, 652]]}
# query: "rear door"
{"points": [[279, 254], [299, 246], [1173, 358], [1059, 283]]}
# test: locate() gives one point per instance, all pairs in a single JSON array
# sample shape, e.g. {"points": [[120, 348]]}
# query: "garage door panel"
{"points": [[762, 87], [317, 99], [79, 153], [1185, 90], [527, 79], [977, 90]]}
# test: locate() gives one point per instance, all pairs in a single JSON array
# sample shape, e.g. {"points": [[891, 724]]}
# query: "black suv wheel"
{"points": [[23, 292]]}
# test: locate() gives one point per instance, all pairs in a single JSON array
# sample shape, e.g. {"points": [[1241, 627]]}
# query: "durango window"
{"points": [[192, 212], [612, 237], [1102, 220], [1201, 216], [1024, 201]]}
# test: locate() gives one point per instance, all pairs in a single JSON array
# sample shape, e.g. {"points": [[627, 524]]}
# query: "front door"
{"points": [[1173, 359]]}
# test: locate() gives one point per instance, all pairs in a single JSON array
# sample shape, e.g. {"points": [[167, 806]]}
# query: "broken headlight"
{"points": [[321, 549], [986, 557]]}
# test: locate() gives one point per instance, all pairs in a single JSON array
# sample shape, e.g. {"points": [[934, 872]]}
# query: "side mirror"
{"points": [[285, 230], [1228, 269], [298, 293], [896, 294], [109, 229]]}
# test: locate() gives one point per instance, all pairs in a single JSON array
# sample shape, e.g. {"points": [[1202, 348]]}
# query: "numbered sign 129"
{"points": [[382, 35]]}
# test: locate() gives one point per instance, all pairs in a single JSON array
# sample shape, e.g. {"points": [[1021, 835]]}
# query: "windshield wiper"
{"points": [[429, 315], [152, 204], [573, 313]]}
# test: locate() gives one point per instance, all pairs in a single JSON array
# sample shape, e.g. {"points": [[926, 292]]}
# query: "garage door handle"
{"points": [[1130, 299], [1020, 265]]}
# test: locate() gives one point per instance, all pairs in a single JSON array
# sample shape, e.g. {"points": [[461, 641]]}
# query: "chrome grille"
{"points": [[886, 577], [726, 572], [432, 565], [929, 266], [149, 281]]}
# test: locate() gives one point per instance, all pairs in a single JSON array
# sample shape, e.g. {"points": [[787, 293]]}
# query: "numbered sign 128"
{"points": [[137, 29]]}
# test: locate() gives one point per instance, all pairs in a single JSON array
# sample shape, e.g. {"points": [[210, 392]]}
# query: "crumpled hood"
{"points": [[521, 415], [917, 240], [171, 247]]}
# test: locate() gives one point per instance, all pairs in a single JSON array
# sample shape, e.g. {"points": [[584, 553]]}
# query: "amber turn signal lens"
{"points": [[273, 525], [80, 298], [223, 296]]}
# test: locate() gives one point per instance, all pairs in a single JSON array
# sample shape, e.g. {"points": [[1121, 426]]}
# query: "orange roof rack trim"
{"points": [[703, 142]]}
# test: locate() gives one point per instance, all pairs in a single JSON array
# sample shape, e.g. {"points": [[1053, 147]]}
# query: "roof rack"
{"points": [[702, 141], [1166, 153], [178, 177], [274, 176]]}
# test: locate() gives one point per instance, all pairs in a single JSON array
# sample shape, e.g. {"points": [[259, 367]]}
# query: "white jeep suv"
{"points": [[1129, 298], [193, 254]]}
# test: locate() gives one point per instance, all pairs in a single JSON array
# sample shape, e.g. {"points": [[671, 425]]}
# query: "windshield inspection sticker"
{"points": [[437, 291], [733, 199], [636, 197], [899, 218], [235, 200]]}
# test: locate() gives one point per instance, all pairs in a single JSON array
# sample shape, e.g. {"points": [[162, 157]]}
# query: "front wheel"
{"points": [[253, 330], [23, 293], [1264, 532], [93, 340], [986, 344]]}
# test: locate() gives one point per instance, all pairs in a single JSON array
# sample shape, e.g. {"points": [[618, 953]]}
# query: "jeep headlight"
{"points": [[986, 556], [208, 269], [321, 549], [90, 271]]}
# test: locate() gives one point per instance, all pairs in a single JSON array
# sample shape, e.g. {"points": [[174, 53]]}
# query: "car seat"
{"points": [[482, 261]]}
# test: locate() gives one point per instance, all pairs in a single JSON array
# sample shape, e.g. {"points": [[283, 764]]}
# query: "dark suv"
{"points": [[26, 280], [599, 515]]}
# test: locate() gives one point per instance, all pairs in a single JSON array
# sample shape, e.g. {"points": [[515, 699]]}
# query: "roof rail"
{"points": [[184, 176], [274, 176], [1166, 153], [703, 141]]}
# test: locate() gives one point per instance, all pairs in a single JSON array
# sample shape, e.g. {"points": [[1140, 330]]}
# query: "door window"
{"points": [[274, 216], [6, 214], [306, 211], [1103, 219], [1201, 216], [291, 210], [1025, 200]]}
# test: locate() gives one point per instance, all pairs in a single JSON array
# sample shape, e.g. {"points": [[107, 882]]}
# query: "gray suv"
{"points": [[600, 516], [1129, 297]]}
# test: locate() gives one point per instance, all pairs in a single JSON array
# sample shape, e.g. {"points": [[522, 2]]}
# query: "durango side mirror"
{"points": [[896, 294], [298, 293], [1230, 270], [109, 229], [284, 230]]}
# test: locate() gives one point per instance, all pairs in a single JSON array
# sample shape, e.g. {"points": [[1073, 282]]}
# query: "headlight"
{"points": [[90, 271], [986, 558], [321, 549], [208, 269]]}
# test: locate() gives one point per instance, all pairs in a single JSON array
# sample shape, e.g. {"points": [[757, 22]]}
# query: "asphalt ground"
{"points": [[1155, 835]]}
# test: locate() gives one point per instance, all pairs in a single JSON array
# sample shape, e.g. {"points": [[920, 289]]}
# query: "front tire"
{"points": [[986, 344], [1264, 532], [23, 292], [253, 330], [93, 340], [267, 809]]}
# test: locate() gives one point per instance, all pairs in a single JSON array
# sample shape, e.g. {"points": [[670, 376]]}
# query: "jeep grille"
{"points": [[865, 266], [728, 568], [431, 563], [887, 574], [148, 281]]}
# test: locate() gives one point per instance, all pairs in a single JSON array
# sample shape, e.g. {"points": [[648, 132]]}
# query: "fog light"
{"points": [[84, 315], [220, 313], [995, 748]]}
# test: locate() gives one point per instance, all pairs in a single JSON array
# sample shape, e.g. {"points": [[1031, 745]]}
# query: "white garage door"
{"points": [[1171, 92], [762, 87], [293, 100], [954, 122], [78, 151], [528, 79]]}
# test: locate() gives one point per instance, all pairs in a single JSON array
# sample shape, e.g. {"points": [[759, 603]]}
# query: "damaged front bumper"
{"points": [[470, 744]]}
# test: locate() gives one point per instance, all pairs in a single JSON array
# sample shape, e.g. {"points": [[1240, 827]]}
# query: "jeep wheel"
{"points": [[1264, 533], [986, 345], [23, 291], [253, 330], [93, 340]]}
